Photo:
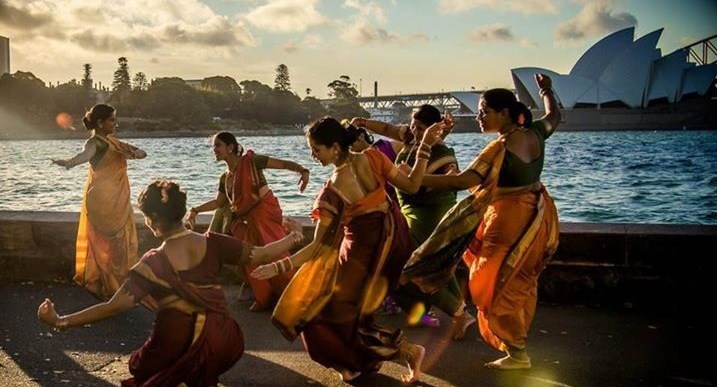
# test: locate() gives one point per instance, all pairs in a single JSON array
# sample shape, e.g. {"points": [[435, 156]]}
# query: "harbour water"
{"points": [[623, 177]]}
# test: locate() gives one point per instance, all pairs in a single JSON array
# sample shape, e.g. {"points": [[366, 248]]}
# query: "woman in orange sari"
{"points": [[256, 214], [194, 338], [360, 245], [107, 236], [507, 228]]}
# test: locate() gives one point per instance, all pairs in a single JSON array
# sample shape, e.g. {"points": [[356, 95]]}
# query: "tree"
{"points": [[342, 88], [308, 91], [87, 77], [120, 81], [173, 99], [139, 82], [282, 82], [313, 109]]}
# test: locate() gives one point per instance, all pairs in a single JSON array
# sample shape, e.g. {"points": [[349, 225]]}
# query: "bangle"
{"points": [[425, 147], [284, 265], [62, 323], [423, 154]]}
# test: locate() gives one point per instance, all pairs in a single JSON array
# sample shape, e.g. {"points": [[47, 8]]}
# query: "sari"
{"points": [[505, 241], [194, 339], [256, 221], [106, 244], [330, 300]]}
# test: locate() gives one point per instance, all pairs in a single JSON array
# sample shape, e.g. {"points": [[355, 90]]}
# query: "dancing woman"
{"points": [[360, 246], [107, 236], [256, 216], [507, 228], [194, 338]]}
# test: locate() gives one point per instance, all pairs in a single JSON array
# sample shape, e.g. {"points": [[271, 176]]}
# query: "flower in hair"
{"points": [[165, 195], [521, 119]]}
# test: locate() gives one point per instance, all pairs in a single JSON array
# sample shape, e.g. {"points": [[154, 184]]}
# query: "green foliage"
{"points": [[27, 97], [120, 84], [282, 82], [87, 76], [344, 103], [73, 98], [140, 82], [172, 98]]}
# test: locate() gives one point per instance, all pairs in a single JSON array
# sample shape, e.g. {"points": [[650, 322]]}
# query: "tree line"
{"points": [[176, 100]]}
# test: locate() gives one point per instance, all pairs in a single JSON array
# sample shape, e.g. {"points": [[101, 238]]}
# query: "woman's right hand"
{"points": [[265, 271], [47, 313], [359, 122], [434, 133], [190, 220]]}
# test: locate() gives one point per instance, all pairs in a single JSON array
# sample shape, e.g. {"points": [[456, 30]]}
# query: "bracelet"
{"points": [[62, 324], [283, 265], [423, 154], [425, 147], [544, 92]]}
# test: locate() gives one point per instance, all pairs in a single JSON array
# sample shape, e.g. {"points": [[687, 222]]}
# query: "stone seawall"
{"points": [[627, 263]]}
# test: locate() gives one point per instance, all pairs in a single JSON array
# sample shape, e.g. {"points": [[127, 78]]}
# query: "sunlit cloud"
{"points": [[596, 18], [286, 16], [492, 33], [525, 7], [24, 16], [363, 32], [368, 9]]}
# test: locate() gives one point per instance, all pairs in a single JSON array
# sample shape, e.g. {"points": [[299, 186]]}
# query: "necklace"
{"points": [[178, 235]]}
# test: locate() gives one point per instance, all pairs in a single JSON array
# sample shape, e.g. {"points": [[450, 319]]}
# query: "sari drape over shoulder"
{"points": [[194, 339], [256, 221], [106, 237], [332, 296], [505, 241]]}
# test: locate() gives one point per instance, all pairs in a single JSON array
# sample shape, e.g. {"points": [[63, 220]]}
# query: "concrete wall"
{"points": [[628, 263]]}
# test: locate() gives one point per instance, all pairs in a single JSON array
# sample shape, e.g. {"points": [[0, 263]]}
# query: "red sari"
{"points": [[194, 339], [256, 221], [331, 298]]}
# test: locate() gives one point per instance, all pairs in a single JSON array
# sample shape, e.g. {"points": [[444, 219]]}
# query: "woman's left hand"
{"points": [[265, 271], [47, 313], [433, 133], [543, 81], [303, 179]]}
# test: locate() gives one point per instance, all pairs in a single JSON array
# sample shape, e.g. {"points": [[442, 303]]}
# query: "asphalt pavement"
{"points": [[570, 345]]}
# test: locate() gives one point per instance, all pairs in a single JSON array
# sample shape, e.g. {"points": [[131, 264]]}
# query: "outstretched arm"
{"points": [[120, 301], [463, 180], [552, 112], [89, 150], [410, 182], [385, 129], [297, 259], [191, 217], [291, 166]]}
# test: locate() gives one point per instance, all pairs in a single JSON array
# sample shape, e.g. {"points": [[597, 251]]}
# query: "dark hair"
{"points": [[427, 114], [98, 112], [499, 99], [229, 139], [327, 131], [367, 136], [164, 202]]}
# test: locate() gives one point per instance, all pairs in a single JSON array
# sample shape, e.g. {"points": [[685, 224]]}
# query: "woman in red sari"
{"points": [[360, 245], [194, 339], [256, 214], [106, 236], [507, 228]]}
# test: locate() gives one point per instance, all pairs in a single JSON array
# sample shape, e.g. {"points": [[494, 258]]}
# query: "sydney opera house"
{"points": [[620, 71]]}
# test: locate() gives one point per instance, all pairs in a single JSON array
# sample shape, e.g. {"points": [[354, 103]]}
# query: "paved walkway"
{"points": [[570, 346]]}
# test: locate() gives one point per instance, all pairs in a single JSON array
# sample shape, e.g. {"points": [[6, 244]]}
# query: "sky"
{"points": [[407, 46]]}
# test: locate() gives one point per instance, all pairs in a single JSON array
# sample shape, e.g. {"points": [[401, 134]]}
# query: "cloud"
{"points": [[594, 19], [492, 33], [368, 10], [286, 16], [22, 16], [520, 6], [363, 33]]}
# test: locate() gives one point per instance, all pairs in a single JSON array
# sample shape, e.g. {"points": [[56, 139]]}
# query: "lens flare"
{"points": [[414, 316], [64, 120]]}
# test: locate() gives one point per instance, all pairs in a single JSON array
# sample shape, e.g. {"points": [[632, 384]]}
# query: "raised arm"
{"points": [[411, 182], [88, 151], [291, 166], [385, 129], [552, 112], [120, 301]]}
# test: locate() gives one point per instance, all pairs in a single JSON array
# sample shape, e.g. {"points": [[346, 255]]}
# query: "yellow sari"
{"points": [[106, 237]]}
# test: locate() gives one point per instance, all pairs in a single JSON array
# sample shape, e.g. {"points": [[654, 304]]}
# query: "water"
{"points": [[626, 177]]}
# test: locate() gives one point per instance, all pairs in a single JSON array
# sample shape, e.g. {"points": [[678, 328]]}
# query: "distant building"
{"points": [[620, 71], [4, 55]]}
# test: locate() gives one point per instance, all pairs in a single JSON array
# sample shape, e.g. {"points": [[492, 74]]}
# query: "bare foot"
{"points": [[509, 363], [347, 375], [414, 358], [461, 324]]}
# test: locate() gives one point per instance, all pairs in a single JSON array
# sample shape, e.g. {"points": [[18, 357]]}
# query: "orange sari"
{"points": [[506, 242], [106, 245]]}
